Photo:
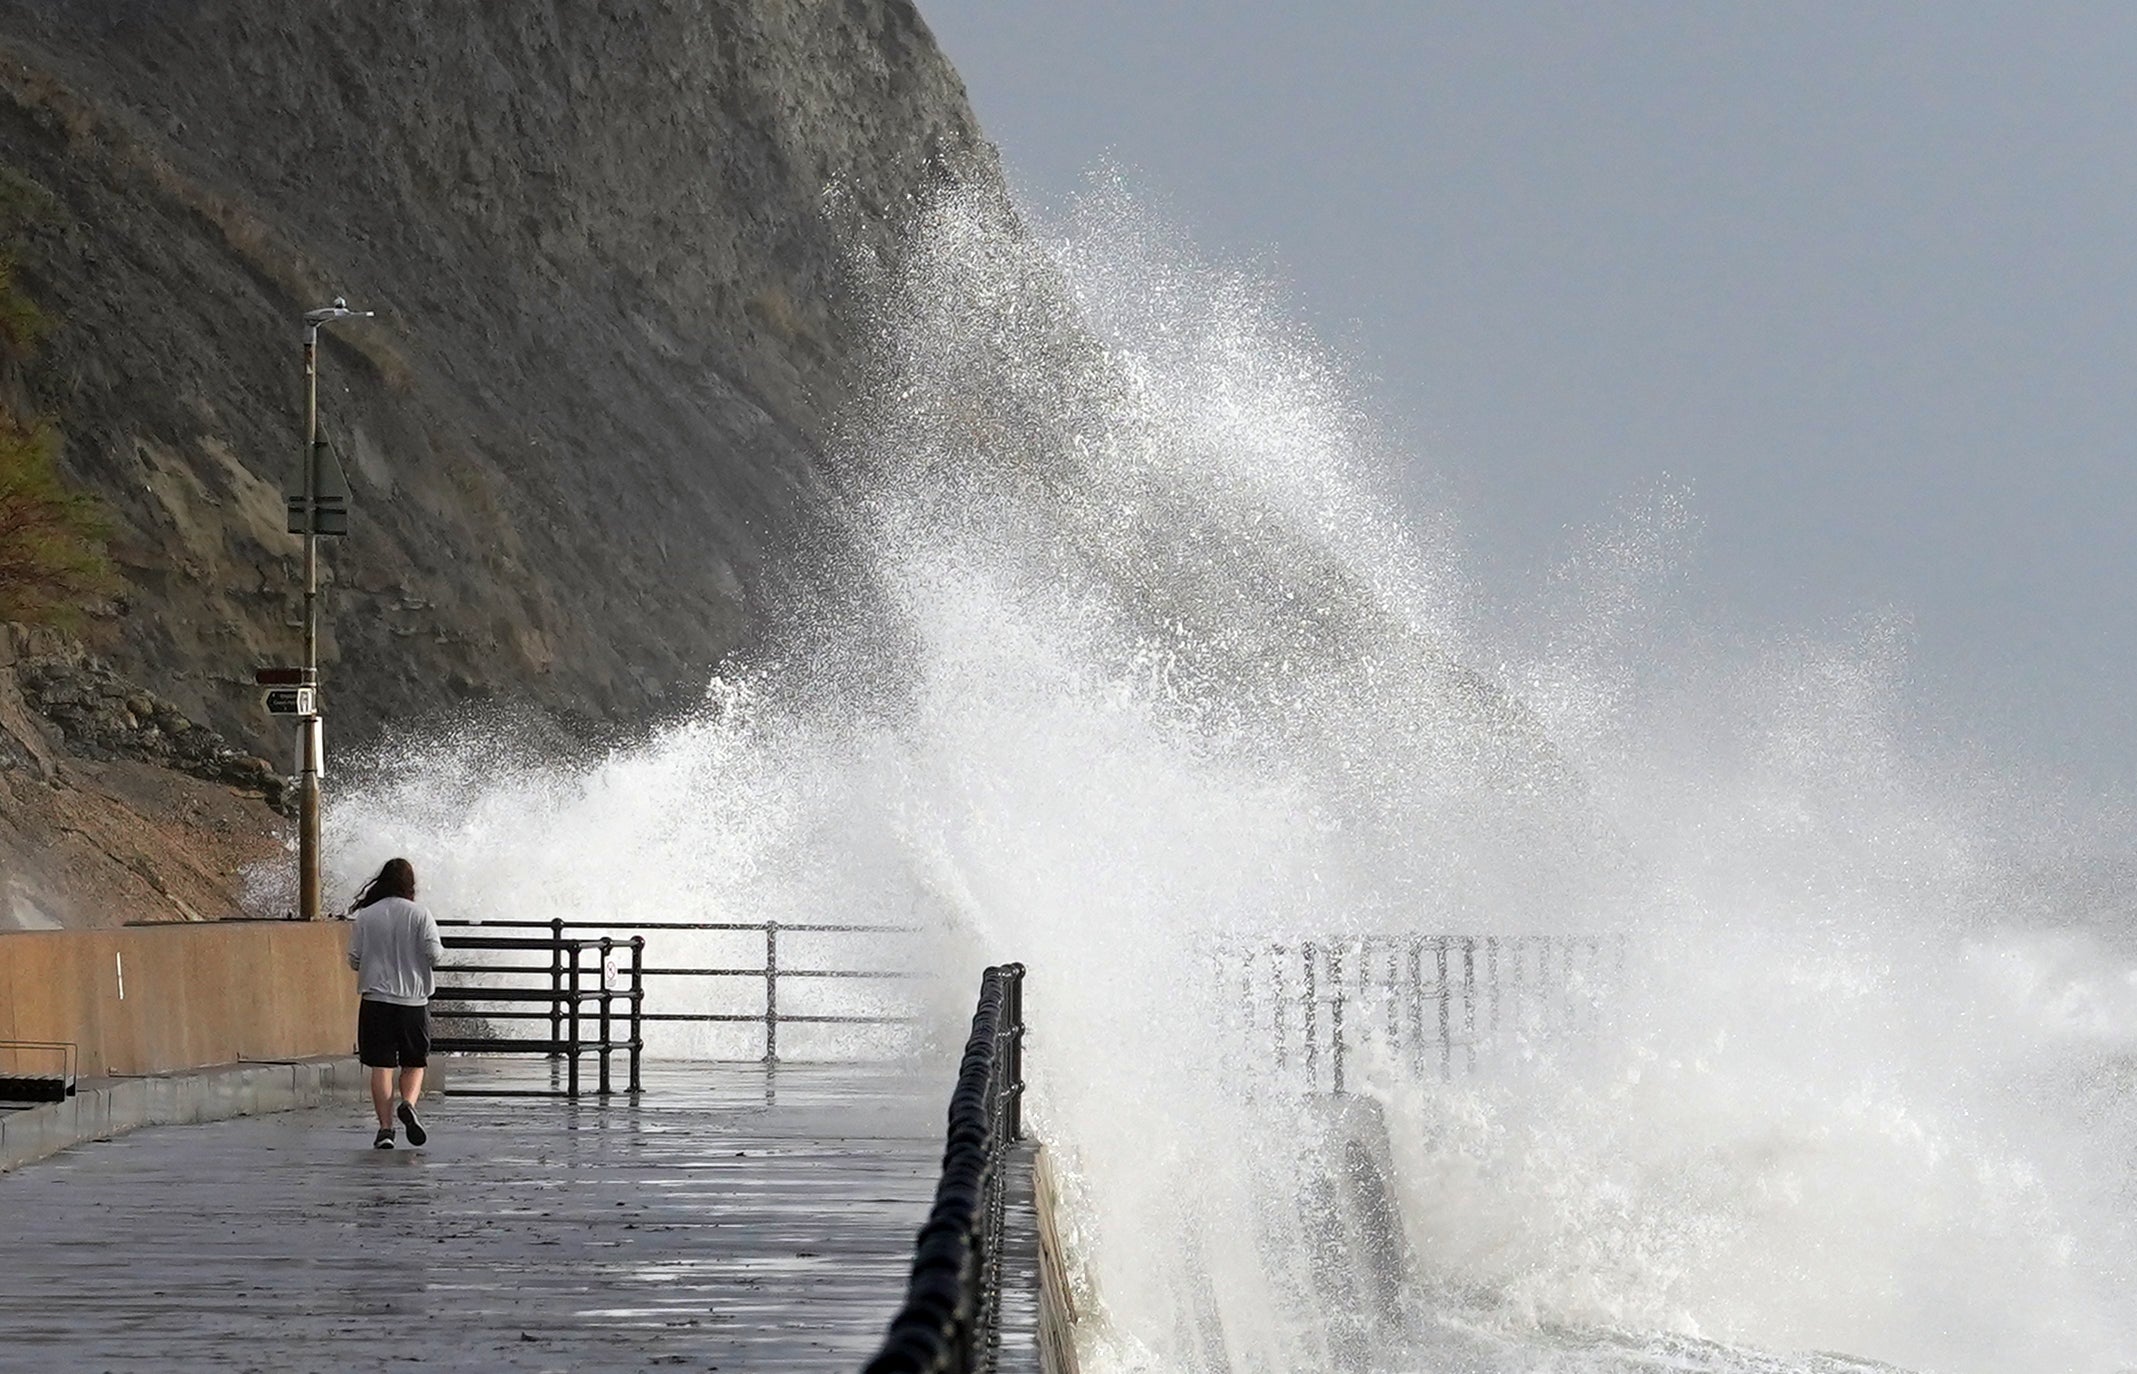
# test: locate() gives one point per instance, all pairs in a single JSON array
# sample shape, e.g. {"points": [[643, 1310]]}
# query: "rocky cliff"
{"points": [[609, 242], [114, 806]]}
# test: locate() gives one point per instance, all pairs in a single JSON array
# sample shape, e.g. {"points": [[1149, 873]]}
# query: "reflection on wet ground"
{"points": [[713, 1224]]}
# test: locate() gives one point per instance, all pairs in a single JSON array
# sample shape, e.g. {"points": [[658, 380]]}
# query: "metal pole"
{"points": [[308, 727], [1335, 1015], [1417, 1000], [771, 992], [1391, 999], [638, 998], [1313, 1048], [608, 944], [1469, 1000], [1491, 979], [1439, 950], [556, 987], [572, 1074]]}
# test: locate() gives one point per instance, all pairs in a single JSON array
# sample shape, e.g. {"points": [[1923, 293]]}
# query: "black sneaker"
{"points": [[416, 1134], [385, 1139]]}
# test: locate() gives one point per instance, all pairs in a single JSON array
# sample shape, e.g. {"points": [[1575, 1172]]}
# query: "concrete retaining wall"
{"points": [[114, 1107], [1058, 1318], [160, 999]]}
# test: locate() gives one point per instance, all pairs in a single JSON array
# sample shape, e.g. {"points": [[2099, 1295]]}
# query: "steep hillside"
{"points": [[608, 242], [114, 807]]}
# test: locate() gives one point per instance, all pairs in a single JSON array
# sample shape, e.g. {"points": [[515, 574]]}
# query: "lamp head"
{"points": [[339, 310]]}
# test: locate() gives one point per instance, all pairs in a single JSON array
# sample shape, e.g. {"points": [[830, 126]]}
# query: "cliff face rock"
{"points": [[609, 241], [102, 716], [109, 813]]}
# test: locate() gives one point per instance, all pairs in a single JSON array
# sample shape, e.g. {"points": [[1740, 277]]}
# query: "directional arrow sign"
{"points": [[291, 701]]}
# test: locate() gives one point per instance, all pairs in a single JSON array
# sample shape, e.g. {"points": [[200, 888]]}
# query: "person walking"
{"points": [[394, 949]]}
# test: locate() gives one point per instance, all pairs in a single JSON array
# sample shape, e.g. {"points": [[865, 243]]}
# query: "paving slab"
{"points": [[733, 1218]]}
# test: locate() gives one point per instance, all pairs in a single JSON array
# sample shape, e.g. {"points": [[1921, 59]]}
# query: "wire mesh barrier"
{"points": [[950, 1323], [1428, 1001], [556, 987]]}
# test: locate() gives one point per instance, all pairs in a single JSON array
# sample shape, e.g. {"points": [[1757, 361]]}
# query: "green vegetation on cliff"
{"points": [[52, 558], [52, 536]]}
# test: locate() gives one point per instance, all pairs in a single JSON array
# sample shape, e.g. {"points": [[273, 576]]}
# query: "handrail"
{"points": [[42, 1087], [950, 1323], [772, 972], [1431, 995], [561, 990], [689, 925]]}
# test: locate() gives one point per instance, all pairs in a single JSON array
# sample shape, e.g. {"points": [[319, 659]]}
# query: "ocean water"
{"points": [[1140, 661]]}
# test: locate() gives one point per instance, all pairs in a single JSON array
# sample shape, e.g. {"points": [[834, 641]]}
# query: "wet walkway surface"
{"points": [[729, 1221]]}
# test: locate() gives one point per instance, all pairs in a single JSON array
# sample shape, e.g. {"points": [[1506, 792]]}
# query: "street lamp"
{"points": [[321, 509]]}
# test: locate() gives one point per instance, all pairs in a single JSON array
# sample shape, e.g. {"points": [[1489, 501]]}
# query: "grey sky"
{"points": [[1861, 275]]}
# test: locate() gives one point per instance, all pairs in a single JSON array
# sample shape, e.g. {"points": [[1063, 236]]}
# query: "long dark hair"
{"points": [[396, 879]]}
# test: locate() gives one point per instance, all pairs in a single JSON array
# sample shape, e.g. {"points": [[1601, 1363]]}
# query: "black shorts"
{"points": [[392, 1037]]}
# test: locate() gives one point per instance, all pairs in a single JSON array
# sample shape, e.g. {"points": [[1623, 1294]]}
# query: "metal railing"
{"points": [[950, 1323], [52, 1083], [771, 973], [1426, 998], [561, 996]]}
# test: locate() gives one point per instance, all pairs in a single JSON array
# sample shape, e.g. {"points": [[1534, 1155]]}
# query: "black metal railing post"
{"points": [[572, 1045], [1469, 1002], [1391, 1001], [1439, 950], [607, 946], [556, 984], [1312, 1000], [1335, 1016], [1491, 979], [638, 998], [771, 992], [1416, 990]]}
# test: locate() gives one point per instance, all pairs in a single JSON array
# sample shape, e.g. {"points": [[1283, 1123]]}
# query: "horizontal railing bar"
{"points": [[503, 1015], [803, 927], [784, 972], [757, 1018], [463, 1044], [572, 943], [851, 1020], [543, 969], [754, 1018], [851, 973], [711, 972], [1351, 942], [459, 994]]}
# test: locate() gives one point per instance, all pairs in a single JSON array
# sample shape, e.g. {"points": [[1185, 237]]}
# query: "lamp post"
{"points": [[322, 509]]}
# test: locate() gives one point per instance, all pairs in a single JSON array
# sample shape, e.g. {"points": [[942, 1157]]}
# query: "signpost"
{"points": [[318, 505], [292, 701]]}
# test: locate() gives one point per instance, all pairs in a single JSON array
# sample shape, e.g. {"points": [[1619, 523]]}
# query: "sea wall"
{"points": [[161, 999], [116, 1106]]}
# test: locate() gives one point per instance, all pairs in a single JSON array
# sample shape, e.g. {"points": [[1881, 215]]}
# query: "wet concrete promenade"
{"points": [[730, 1220]]}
